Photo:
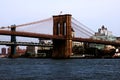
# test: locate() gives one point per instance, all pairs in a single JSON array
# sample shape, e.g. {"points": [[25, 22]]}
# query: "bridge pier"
{"points": [[62, 27], [13, 39]]}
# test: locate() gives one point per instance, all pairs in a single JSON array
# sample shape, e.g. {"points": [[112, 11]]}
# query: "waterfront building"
{"points": [[74, 43], [118, 39], [103, 34], [31, 49], [44, 51], [19, 51], [77, 44], [3, 51], [73, 32]]}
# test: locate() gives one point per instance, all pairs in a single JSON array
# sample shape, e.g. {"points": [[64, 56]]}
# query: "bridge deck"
{"points": [[46, 36], [96, 41], [29, 34]]}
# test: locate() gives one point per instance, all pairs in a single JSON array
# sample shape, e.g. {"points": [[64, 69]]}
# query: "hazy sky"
{"points": [[92, 13]]}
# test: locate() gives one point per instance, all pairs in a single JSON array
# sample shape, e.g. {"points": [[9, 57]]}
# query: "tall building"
{"points": [[102, 34]]}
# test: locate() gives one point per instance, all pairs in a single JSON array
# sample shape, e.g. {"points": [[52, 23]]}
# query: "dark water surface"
{"points": [[65, 69]]}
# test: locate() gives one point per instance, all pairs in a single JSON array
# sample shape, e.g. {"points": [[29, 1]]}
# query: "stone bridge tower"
{"points": [[62, 27]]}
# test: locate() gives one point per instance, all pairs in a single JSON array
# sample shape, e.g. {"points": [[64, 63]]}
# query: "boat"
{"points": [[116, 55]]}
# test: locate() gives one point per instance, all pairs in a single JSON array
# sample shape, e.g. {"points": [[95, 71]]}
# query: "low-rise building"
{"points": [[19, 51], [3, 51]]}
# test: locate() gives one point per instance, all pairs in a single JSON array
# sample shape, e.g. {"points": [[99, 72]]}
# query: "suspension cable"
{"points": [[36, 22], [31, 23], [82, 24], [82, 28], [80, 31]]}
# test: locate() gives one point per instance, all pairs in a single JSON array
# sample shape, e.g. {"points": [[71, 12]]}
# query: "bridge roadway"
{"points": [[29, 34], [25, 44], [46, 36]]}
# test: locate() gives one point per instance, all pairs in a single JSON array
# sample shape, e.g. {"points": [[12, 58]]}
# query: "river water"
{"points": [[62, 69]]}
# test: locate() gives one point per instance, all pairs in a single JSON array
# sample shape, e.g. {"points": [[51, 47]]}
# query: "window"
{"points": [[64, 28], [58, 28]]}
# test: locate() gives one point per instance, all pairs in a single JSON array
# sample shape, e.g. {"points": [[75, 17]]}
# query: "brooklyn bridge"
{"points": [[65, 29]]}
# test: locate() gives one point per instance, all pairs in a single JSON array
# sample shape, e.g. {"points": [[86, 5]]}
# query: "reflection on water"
{"points": [[65, 69]]}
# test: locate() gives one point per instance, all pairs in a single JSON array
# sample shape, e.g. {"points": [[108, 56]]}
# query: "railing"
{"points": [[24, 44]]}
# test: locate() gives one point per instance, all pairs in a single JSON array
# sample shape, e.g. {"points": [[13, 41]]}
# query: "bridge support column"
{"points": [[13, 39], [62, 27]]}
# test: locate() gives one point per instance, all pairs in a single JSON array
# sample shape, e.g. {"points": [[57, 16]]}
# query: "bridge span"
{"points": [[51, 37], [62, 37]]}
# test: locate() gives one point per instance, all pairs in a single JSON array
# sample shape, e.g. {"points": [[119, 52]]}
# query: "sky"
{"points": [[92, 13]]}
